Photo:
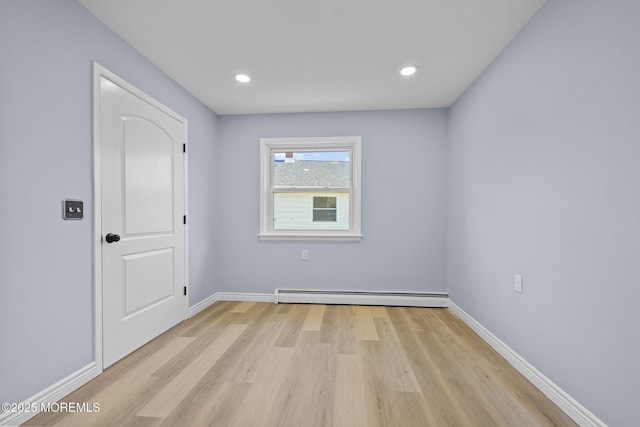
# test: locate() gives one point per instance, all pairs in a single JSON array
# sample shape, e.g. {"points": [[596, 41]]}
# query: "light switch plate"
{"points": [[72, 209]]}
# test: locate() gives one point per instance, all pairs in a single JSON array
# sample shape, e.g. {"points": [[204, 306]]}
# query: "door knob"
{"points": [[110, 238]]}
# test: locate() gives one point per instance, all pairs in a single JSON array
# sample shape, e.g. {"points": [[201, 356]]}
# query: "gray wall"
{"points": [[46, 282], [544, 181], [403, 206]]}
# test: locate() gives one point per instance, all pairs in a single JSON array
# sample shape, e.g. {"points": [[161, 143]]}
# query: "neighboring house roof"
{"points": [[309, 173]]}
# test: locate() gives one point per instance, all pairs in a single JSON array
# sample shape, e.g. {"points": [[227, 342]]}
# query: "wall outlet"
{"points": [[305, 255], [517, 283]]}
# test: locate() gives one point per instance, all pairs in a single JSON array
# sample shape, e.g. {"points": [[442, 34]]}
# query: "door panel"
{"points": [[147, 178], [140, 269], [143, 201]]}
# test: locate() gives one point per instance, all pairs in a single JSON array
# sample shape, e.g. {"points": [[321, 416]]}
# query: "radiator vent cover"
{"points": [[407, 299]]}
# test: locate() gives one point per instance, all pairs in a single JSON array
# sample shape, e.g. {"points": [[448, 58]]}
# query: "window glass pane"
{"points": [[325, 215], [296, 211], [324, 202], [319, 169]]}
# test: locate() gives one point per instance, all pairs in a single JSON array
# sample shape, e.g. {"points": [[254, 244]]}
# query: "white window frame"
{"points": [[268, 146]]}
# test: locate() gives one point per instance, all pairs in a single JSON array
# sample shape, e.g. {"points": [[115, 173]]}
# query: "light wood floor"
{"points": [[260, 364]]}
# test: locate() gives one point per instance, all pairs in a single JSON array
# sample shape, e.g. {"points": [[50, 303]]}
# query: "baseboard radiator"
{"points": [[405, 299]]}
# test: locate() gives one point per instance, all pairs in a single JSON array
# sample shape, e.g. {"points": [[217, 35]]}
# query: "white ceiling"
{"points": [[318, 55]]}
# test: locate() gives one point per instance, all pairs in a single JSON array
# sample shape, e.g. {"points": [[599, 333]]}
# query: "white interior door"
{"points": [[143, 204]]}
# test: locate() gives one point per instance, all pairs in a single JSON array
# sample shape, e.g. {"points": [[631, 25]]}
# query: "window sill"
{"points": [[311, 237]]}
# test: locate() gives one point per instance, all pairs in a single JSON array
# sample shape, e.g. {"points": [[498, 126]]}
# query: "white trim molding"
{"points": [[228, 296], [241, 296], [407, 299], [202, 305], [50, 395], [569, 405]]}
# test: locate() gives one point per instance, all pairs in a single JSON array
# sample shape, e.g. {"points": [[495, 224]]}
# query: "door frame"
{"points": [[98, 72]]}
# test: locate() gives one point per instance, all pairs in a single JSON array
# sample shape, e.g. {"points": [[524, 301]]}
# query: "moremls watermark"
{"points": [[65, 407]]}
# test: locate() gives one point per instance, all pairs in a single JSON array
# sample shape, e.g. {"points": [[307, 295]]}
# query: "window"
{"points": [[325, 209], [310, 188]]}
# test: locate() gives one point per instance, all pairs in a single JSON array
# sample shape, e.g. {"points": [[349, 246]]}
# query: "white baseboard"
{"points": [[197, 308], [241, 296], [407, 299], [50, 395], [569, 405], [228, 296]]}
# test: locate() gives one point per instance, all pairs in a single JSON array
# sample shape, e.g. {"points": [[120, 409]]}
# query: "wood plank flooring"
{"points": [[261, 364]]}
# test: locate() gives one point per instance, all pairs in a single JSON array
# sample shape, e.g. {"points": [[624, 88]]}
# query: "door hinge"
{"points": [[184, 219], [185, 290], [184, 147]]}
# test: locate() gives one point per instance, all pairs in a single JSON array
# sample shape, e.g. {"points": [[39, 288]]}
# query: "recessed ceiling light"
{"points": [[243, 78], [409, 71]]}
